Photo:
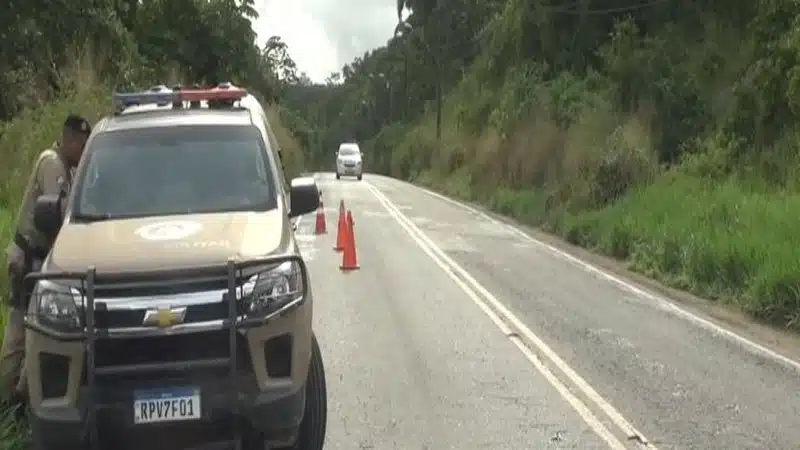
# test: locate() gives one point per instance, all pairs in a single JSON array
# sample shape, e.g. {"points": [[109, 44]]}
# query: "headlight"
{"points": [[56, 307], [267, 292]]}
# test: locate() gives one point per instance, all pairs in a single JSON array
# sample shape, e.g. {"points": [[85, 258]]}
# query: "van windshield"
{"points": [[348, 151], [175, 170]]}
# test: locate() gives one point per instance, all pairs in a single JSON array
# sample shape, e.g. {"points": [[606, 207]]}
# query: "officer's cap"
{"points": [[78, 124]]}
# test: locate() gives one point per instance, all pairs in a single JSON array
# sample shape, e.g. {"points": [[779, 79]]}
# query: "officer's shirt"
{"points": [[50, 176]]}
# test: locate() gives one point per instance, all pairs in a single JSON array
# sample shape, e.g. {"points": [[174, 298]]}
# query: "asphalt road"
{"points": [[459, 332]]}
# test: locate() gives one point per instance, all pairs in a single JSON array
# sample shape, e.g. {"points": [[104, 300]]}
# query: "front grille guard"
{"points": [[91, 278]]}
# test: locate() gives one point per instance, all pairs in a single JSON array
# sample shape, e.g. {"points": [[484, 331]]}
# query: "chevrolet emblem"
{"points": [[164, 317]]}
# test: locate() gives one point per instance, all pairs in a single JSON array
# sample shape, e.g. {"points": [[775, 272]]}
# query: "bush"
{"points": [[293, 156], [718, 240]]}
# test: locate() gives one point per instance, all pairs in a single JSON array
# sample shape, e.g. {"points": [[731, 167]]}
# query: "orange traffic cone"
{"points": [[321, 227], [341, 230], [349, 258]]}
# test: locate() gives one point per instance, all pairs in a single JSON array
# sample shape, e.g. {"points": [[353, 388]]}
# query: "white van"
{"points": [[348, 160]]}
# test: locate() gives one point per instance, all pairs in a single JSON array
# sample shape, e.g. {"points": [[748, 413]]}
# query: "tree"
{"points": [[333, 79], [276, 53], [136, 43]]}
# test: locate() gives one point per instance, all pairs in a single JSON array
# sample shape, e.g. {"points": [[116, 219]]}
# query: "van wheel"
{"points": [[312, 430], [338, 177], [359, 177]]}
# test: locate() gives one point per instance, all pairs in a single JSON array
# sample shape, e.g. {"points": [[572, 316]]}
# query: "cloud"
{"points": [[324, 35]]}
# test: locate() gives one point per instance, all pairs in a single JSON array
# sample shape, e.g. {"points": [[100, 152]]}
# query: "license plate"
{"points": [[166, 405]]}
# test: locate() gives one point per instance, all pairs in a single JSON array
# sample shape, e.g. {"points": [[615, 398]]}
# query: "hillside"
{"points": [[56, 58], [660, 132]]}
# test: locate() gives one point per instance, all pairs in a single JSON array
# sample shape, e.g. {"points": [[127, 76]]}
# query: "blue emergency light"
{"points": [[124, 100]]}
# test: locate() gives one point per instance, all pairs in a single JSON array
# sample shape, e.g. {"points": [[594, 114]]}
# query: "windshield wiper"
{"points": [[92, 217]]}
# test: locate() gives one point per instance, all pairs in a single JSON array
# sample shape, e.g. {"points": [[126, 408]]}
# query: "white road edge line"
{"points": [[628, 286], [495, 311]]}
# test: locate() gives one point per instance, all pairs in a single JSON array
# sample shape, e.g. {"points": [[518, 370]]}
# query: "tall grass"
{"points": [[294, 158]]}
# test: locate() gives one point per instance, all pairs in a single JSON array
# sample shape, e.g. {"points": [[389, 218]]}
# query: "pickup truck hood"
{"points": [[167, 241]]}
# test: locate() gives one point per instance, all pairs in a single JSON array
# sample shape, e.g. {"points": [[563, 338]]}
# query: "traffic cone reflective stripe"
{"points": [[349, 258]]}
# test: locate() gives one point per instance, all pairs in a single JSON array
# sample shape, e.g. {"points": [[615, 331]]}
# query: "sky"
{"points": [[324, 35]]}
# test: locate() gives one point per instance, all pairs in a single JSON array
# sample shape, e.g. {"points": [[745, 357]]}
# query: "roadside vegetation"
{"points": [[56, 59], [662, 133]]}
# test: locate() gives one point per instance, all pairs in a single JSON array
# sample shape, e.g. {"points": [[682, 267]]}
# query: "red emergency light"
{"points": [[199, 95]]}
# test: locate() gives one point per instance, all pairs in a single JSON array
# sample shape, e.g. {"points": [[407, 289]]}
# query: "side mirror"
{"points": [[304, 196], [47, 215]]}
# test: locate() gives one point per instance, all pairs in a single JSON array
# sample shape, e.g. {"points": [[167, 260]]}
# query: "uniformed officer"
{"points": [[51, 175]]}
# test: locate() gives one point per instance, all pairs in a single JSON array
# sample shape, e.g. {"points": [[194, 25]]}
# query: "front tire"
{"points": [[315, 419], [311, 434], [338, 177]]}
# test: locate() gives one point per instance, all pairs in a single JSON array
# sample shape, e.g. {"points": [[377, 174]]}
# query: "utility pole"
{"points": [[435, 55], [390, 94], [405, 83]]}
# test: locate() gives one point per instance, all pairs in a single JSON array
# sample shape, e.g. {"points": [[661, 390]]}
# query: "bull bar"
{"points": [[234, 322]]}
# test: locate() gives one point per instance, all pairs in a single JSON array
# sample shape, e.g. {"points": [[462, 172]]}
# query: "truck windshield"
{"points": [[175, 170]]}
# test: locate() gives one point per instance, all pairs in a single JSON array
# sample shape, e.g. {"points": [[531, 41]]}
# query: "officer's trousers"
{"points": [[12, 355]]}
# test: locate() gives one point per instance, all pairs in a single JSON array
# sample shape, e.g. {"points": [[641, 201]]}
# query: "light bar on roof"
{"points": [[123, 100], [197, 95]]}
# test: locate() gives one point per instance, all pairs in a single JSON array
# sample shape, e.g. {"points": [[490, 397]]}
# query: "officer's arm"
{"points": [[50, 175]]}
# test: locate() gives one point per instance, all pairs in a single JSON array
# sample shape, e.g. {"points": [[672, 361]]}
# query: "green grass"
{"points": [[719, 240], [12, 435]]}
